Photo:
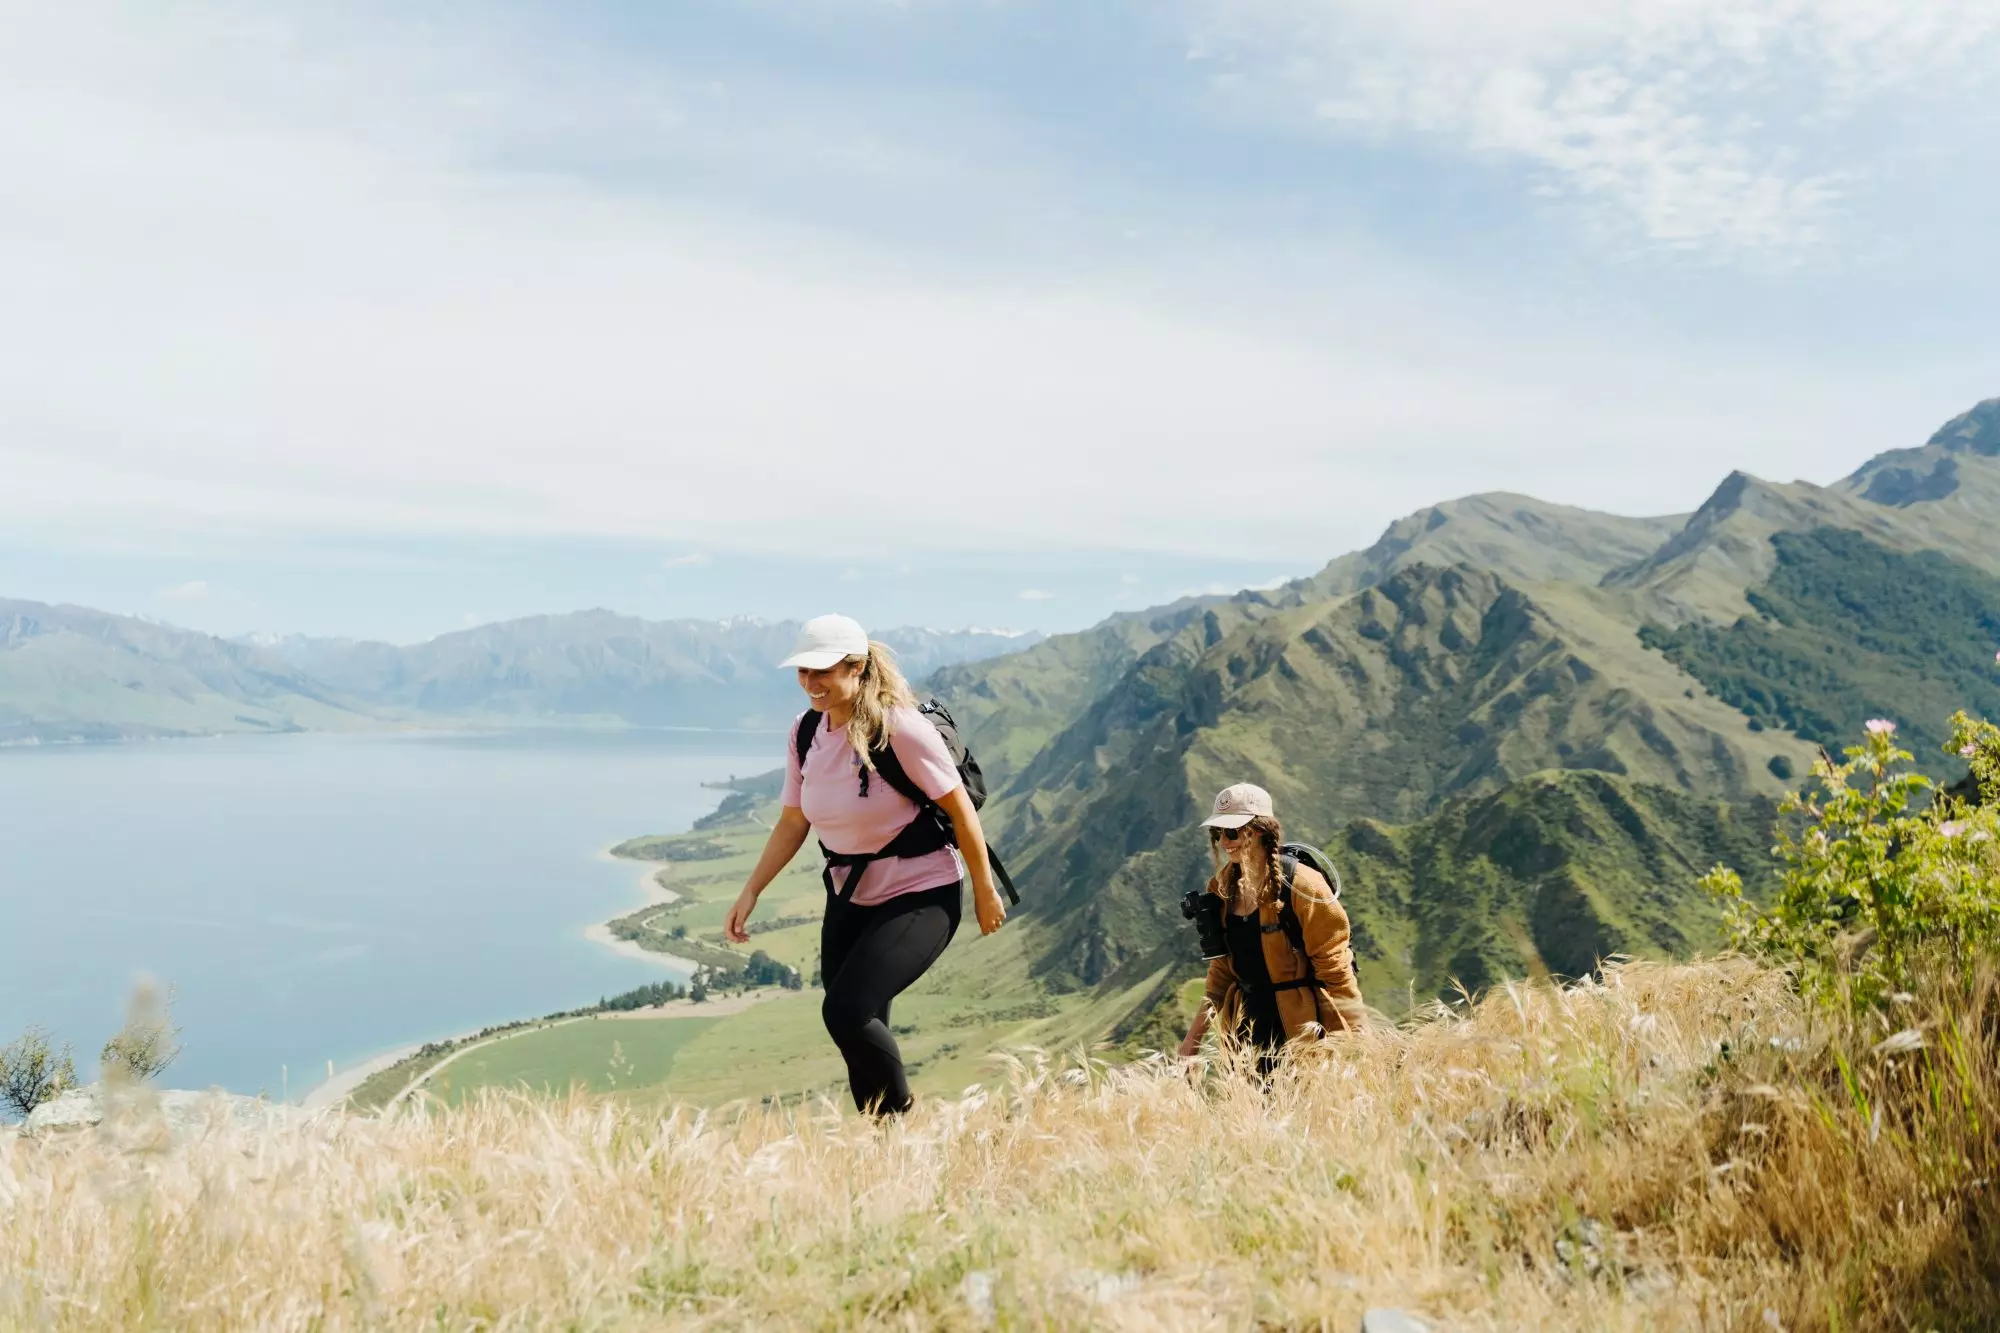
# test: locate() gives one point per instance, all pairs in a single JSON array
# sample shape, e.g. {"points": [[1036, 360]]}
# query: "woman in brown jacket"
{"points": [[1264, 990]]}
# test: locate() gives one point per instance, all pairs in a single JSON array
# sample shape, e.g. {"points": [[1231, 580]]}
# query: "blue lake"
{"points": [[315, 898]]}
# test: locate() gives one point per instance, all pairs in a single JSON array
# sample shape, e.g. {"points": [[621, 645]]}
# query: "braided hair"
{"points": [[1269, 833]]}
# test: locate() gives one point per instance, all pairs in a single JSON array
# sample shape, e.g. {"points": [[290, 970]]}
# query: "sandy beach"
{"points": [[601, 934], [652, 894], [335, 1090]]}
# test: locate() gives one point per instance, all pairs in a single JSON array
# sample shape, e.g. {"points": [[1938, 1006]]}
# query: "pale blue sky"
{"points": [[366, 319]]}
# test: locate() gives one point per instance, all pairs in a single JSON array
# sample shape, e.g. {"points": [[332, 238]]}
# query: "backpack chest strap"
{"points": [[927, 833]]}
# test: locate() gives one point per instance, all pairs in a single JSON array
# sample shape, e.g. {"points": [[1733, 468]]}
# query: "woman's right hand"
{"points": [[737, 927], [1191, 1044]]}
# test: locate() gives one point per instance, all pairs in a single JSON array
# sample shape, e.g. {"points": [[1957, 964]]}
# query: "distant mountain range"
{"points": [[1525, 729], [68, 673], [72, 674]]}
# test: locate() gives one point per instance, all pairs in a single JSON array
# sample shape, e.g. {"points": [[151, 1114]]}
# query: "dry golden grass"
{"points": [[1676, 1147]]}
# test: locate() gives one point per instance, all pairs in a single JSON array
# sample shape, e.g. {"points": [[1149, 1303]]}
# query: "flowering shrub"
{"points": [[1879, 881]]}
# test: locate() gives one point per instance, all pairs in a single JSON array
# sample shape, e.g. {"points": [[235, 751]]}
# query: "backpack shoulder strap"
{"points": [[890, 768], [1288, 869], [803, 733]]}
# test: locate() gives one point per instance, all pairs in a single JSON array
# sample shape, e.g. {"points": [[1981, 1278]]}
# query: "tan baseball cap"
{"points": [[1238, 805]]}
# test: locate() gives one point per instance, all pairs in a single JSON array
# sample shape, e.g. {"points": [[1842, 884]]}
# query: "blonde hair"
{"points": [[882, 689], [1229, 875]]}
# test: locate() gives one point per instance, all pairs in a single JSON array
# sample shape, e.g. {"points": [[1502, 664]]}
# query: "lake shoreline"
{"points": [[332, 1091], [652, 894]]}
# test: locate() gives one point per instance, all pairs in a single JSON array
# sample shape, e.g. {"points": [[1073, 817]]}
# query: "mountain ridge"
{"points": [[75, 674], [1388, 689], [71, 673]]}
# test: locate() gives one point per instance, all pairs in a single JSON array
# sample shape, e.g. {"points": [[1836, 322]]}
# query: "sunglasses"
{"points": [[1230, 834]]}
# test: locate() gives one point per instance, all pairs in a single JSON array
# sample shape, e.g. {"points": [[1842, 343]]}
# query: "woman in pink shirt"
{"points": [[895, 869]]}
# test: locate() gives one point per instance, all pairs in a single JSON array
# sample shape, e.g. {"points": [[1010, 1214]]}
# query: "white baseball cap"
{"points": [[1238, 805], [824, 640]]}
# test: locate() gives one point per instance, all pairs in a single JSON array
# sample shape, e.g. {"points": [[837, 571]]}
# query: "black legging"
{"points": [[867, 957]]}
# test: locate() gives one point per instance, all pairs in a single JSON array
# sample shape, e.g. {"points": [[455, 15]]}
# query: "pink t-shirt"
{"points": [[829, 792]]}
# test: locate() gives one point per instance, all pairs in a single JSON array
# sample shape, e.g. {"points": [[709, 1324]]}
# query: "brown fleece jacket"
{"points": [[1336, 1006]]}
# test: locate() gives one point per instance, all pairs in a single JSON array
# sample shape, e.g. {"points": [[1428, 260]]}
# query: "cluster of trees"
{"points": [[760, 969], [34, 1070], [643, 997]]}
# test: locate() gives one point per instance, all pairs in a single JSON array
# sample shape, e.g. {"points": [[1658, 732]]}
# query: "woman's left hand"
{"points": [[986, 905]]}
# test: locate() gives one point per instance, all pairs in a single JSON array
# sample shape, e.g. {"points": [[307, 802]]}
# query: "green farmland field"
{"points": [[602, 1054]]}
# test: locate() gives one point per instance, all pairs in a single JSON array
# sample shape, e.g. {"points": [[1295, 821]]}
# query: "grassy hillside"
{"points": [[605, 1054], [1845, 630], [1672, 1148]]}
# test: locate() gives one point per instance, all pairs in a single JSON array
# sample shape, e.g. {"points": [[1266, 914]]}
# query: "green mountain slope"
{"points": [[1549, 874], [1522, 539], [1705, 570], [72, 674], [1952, 482], [1845, 630], [1438, 684], [1012, 707]]}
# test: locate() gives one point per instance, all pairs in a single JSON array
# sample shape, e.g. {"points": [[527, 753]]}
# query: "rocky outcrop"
{"points": [[174, 1115]]}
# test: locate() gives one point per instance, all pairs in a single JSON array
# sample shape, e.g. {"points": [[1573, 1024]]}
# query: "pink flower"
{"points": [[1969, 750], [1951, 828], [1881, 726]]}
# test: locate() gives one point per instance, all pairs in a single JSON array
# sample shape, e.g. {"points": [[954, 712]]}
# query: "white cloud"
{"points": [[196, 590], [360, 279], [1036, 595], [692, 560], [1736, 128], [324, 310]]}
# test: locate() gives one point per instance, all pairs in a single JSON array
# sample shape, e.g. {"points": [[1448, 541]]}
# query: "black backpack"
{"points": [[931, 830], [1290, 856]]}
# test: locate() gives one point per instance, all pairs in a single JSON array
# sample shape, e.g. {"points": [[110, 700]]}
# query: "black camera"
{"points": [[1205, 910]]}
